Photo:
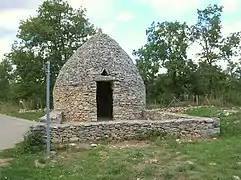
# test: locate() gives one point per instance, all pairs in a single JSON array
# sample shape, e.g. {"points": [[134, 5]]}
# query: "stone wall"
{"points": [[76, 102], [113, 130]]}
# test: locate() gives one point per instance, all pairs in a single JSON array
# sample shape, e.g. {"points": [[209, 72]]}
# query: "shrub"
{"points": [[33, 143]]}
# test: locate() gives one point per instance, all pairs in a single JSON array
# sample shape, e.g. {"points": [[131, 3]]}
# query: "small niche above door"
{"points": [[104, 72]]}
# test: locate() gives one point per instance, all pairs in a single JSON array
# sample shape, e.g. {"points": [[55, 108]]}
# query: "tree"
{"points": [[208, 33], [52, 35], [166, 47], [214, 47], [5, 69]]}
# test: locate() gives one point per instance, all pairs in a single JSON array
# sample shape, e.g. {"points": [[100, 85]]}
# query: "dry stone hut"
{"points": [[99, 82]]}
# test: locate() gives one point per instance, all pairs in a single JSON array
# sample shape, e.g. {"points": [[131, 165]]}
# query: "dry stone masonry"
{"points": [[101, 83], [114, 130], [100, 59]]}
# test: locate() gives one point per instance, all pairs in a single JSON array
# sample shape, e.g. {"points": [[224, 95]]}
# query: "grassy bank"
{"points": [[12, 110], [161, 159]]}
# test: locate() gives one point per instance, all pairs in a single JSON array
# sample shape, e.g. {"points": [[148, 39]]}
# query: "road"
{"points": [[12, 130]]}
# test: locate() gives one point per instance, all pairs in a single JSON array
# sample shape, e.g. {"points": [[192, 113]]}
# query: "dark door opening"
{"points": [[104, 96]]}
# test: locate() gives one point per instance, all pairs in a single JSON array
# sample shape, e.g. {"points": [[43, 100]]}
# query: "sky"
{"points": [[124, 20]]}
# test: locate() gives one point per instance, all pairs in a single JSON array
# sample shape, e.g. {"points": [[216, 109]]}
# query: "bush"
{"points": [[33, 143]]}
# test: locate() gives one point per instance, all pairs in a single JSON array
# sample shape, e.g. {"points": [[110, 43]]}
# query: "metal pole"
{"points": [[48, 106]]}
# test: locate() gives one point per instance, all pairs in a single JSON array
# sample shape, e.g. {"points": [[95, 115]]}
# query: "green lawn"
{"points": [[213, 159]]}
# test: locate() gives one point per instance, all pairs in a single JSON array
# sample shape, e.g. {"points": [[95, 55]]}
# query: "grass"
{"points": [[213, 159], [12, 110], [204, 112], [33, 116]]}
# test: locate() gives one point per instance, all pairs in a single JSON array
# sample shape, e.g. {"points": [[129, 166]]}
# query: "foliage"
{"points": [[33, 143], [5, 69], [190, 79], [164, 51], [207, 31], [12, 109], [53, 34]]}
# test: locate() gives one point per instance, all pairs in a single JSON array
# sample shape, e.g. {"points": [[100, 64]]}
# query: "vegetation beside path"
{"points": [[12, 110]]}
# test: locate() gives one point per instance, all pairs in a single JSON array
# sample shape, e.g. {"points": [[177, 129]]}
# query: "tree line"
{"points": [[198, 80], [58, 30]]}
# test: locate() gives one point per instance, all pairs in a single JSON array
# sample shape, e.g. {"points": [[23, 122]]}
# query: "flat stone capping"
{"points": [[117, 130]]}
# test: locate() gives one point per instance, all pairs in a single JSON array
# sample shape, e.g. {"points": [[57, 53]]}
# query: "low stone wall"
{"points": [[113, 130]]}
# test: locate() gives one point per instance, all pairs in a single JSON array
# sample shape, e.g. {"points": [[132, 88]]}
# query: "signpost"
{"points": [[47, 71]]}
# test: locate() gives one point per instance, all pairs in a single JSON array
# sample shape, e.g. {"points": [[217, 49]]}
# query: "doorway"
{"points": [[104, 97]]}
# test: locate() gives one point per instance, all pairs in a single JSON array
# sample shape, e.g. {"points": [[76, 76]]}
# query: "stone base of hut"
{"points": [[156, 121]]}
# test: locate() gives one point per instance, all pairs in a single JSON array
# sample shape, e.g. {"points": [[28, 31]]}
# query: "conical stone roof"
{"points": [[99, 53]]}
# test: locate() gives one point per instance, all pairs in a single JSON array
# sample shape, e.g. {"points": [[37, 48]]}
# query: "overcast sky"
{"points": [[124, 20]]}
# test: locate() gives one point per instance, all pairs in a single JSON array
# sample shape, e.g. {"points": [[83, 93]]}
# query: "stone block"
{"points": [[55, 117]]}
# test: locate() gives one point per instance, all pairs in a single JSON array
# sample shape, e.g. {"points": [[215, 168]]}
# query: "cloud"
{"points": [[231, 27], [95, 9], [5, 45], [16, 4], [100, 13], [171, 6], [131, 40], [125, 16], [11, 12], [230, 5], [9, 23], [5, 32], [10, 19], [109, 28]]}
